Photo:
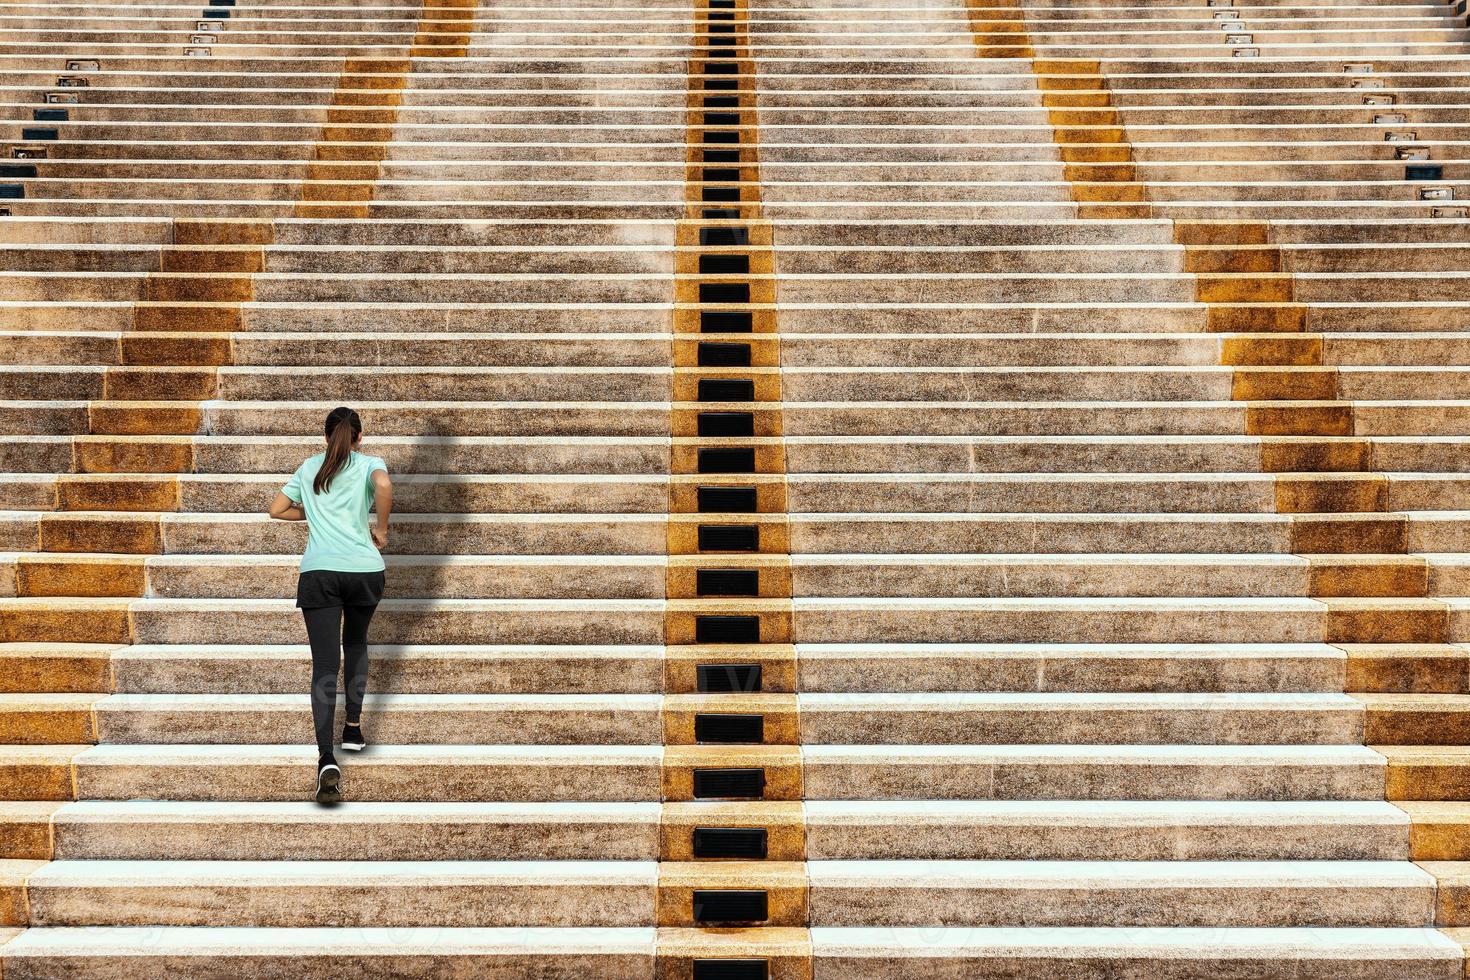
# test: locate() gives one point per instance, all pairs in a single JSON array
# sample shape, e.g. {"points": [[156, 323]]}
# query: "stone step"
{"points": [[1157, 383], [531, 458], [1347, 204], [544, 177], [1075, 772], [221, 953], [1183, 668], [1132, 427], [578, 621], [458, 534], [1402, 668], [416, 576], [813, 576], [1074, 717], [379, 208], [97, 348], [1156, 620], [316, 893], [629, 831], [813, 318], [579, 893], [631, 773], [1149, 831], [355, 832], [864, 480], [537, 236], [388, 773], [815, 534], [824, 719], [817, 620], [468, 496], [349, 287], [1118, 893], [917, 667], [483, 669], [1167, 953], [329, 383], [420, 719]]}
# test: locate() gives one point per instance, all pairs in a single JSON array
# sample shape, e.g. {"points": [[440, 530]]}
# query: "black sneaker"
{"points": [[328, 782], [352, 738]]}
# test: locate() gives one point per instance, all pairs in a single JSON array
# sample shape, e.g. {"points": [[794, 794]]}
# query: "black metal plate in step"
{"points": [[727, 389], [216, 15], [727, 581], [725, 321], [724, 236], [722, 156], [720, 15], [722, 119], [729, 784], [727, 459], [720, 174], [722, 4], [722, 729], [721, 68], [12, 192], [721, 84], [721, 42], [726, 500], [724, 292], [725, 425], [221, 3], [727, 629], [34, 133], [714, 354], [710, 214], [721, 28], [1424, 171], [17, 170], [719, 195], [729, 729], [721, 101], [727, 678], [730, 905], [748, 843], [729, 537], [50, 115], [721, 136], [724, 265], [732, 970]]}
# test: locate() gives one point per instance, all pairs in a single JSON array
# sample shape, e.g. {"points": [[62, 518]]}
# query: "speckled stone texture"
{"points": [[1110, 491]]}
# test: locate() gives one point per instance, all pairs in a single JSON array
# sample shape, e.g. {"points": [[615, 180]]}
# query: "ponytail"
{"points": [[344, 428]]}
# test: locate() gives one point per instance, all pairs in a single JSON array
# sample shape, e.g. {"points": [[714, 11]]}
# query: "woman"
{"points": [[341, 578]]}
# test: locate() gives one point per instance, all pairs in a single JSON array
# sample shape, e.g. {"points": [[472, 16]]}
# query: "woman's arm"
{"points": [[283, 508], [383, 504]]}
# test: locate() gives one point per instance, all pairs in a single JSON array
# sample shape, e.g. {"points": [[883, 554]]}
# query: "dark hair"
{"points": [[340, 439]]}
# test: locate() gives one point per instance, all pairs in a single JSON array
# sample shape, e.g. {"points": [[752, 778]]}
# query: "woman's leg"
{"points": [[355, 657], [324, 633]]}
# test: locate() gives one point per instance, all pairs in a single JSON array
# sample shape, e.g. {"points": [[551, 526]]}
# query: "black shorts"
{"points": [[321, 589]]}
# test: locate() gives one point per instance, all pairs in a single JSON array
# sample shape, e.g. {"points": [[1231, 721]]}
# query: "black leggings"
{"points": [[337, 633]]}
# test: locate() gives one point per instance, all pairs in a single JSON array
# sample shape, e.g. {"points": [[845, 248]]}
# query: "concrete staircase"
{"points": [[885, 491]]}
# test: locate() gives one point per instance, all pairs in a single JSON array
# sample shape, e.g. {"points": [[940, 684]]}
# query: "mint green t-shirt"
{"points": [[337, 518]]}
